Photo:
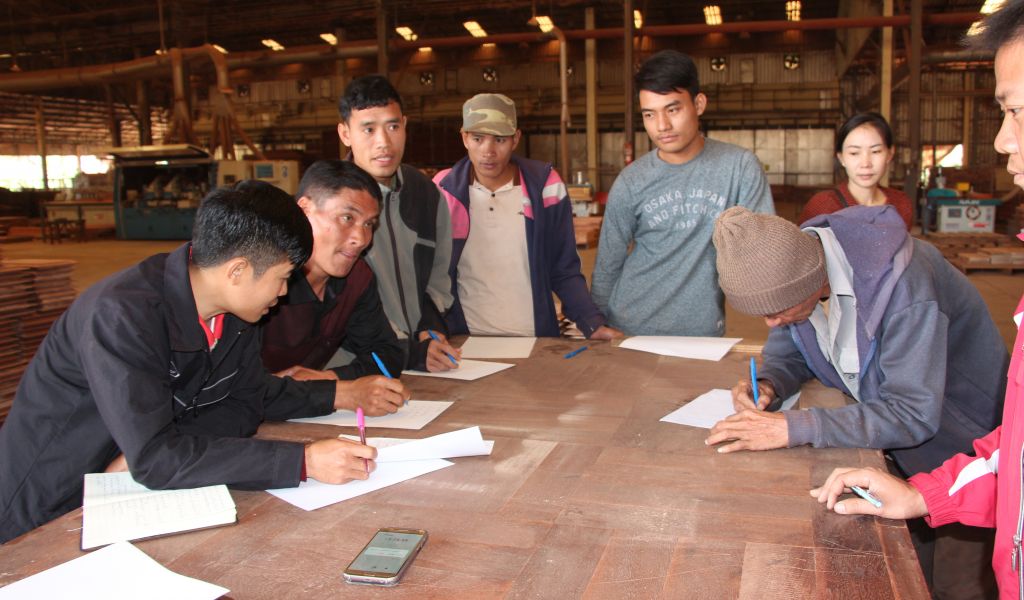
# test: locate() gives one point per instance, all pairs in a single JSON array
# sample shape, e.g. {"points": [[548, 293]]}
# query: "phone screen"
{"points": [[386, 552]]}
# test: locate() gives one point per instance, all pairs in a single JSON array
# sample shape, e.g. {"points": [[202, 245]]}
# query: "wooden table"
{"points": [[586, 495]]}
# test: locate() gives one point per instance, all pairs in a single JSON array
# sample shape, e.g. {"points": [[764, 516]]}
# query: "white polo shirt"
{"points": [[494, 270]]}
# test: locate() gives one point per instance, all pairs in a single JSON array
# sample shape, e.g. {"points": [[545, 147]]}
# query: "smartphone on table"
{"points": [[384, 560]]}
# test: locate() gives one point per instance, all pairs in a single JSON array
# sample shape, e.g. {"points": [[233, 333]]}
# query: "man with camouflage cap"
{"points": [[523, 247]]}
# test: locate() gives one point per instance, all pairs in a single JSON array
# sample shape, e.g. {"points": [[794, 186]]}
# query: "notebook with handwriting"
{"points": [[116, 508]]}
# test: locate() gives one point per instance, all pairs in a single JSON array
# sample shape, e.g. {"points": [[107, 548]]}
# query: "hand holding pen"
{"points": [[743, 393], [441, 355]]}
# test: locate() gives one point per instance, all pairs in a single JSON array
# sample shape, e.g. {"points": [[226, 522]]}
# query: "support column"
{"points": [[41, 140], [627, 75], [914, 102], [885, 83], [145, 124], [968, 119], [112, 123], [593, 149], [382, 39]]}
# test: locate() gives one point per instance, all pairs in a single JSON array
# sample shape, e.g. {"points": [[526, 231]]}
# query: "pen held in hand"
{"points": [[866, 495], [361, 424], [753, 381], [434, 337]]}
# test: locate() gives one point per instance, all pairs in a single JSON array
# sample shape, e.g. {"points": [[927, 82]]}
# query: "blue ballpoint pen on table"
{"points": [[753, 380], [434, 337], [866, 495], [576, 351]]}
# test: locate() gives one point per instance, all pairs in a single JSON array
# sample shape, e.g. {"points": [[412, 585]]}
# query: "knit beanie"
{"points": [[765, 263]]}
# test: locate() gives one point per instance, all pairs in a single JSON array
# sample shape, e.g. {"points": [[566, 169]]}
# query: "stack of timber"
{"points": [[33, 293]]}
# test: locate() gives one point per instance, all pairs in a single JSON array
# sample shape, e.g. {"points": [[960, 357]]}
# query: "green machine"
{"points": [[157, 189]]}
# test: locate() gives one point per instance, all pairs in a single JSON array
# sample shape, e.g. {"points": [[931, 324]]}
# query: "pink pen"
{"points": [[361, 424]]}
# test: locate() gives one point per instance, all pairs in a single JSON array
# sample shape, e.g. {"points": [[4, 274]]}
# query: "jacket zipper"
{"points": [[1015, 555], [209, 374], [398, 268]]}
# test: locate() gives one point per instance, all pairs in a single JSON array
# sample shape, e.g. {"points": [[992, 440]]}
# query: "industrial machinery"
{"points": [[157, 189]]}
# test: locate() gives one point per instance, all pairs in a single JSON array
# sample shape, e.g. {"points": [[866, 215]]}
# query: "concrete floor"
{"points": [[97, 259]]}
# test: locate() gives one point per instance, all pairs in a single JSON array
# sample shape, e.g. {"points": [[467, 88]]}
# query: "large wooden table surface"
{"points": [[586, 495]]}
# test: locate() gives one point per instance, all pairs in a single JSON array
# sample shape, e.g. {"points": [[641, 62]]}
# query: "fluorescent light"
{"points": [[638, 19], [489, 45], [407, 33], [988, 8], [793, 10], [220, 48], [330, 38], [474, 29], [544, 22], [426, 49], [713, 15], [269, 43]]}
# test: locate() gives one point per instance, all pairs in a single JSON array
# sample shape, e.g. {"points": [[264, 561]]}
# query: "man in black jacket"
{"points": [[161, 362]]}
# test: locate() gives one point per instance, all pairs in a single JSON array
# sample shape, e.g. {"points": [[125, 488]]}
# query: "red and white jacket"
{"points": [[984, 490]]}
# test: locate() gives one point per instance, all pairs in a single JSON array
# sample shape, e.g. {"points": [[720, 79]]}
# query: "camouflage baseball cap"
{"points": [[494, 114]]}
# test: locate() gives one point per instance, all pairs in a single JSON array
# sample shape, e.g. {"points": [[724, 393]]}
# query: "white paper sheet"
{"points": [[116, 508], [468, 370], [464, 442], [414, 416], [312, 494], [702, 348], [711, 407], [119, 571], [498, 347]]}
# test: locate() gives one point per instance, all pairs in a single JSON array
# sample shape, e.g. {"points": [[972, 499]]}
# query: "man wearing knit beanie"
{"points": [[855, 302]]}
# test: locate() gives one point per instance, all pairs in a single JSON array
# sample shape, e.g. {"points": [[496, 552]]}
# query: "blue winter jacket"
{"points": [[550, 242], [932, 364]]}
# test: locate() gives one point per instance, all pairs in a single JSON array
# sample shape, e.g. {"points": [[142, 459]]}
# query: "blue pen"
{"points": [[866, 495], [380, 365], [384, 370], [576, 351], [753, 379], [434, 337]]}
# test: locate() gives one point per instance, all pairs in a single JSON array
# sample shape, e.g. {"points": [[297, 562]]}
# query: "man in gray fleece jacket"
{"points": [[903, 333]]}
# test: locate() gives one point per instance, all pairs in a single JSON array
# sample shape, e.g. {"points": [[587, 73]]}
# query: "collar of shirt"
{"points": [[394, 185], [300, 292], [476, 185]]}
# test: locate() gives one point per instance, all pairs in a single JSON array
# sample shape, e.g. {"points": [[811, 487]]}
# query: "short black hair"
{"points": [[865, 118], [370, 91], [254, 220], [668, 71], [325, 178], [1000, 28]]}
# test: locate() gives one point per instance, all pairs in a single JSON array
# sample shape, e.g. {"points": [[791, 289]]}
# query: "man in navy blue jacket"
{"points": [[522, 247]]}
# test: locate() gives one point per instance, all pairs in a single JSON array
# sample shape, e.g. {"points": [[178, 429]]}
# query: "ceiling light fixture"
{"points": [[713, 15], [793, 10], [544, 22], [220, 49], [407, 33], [474, 29], [638, 19], [273, 45], [330, 38], [988, 8]]}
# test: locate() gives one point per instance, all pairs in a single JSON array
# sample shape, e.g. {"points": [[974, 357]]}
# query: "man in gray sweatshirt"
{"points": [[665, 204]]}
